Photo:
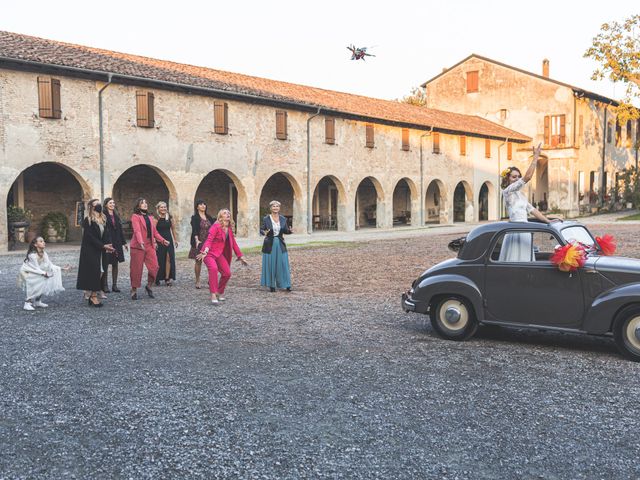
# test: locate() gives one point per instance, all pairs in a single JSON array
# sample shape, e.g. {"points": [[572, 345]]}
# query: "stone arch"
{"points": [[435, 202], [221, 188], [146, 181], [46, 187], [329, 204], [487, 201], [404, 195], [369, 203], [463, 202], [283, 187]]}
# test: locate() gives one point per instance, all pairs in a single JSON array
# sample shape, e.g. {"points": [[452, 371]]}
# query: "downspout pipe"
{"points": [[309, 199], [604, 150], [422, 199], [101, 133]]}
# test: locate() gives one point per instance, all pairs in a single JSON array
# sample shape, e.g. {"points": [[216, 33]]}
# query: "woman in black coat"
{"points": [[114, 227], [95, 242]]}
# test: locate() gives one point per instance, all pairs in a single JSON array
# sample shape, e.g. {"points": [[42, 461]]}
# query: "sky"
{"points": [[305, 42]]}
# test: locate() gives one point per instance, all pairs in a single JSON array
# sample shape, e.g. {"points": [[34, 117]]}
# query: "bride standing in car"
{"points": [[516, 247]]}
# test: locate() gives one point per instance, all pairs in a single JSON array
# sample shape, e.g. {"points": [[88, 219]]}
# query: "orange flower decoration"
{"points": [[607, 244], [569, 258]]}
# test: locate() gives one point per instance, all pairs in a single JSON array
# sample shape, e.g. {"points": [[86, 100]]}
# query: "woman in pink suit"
{"points": [[217, 252], [143, 248]]}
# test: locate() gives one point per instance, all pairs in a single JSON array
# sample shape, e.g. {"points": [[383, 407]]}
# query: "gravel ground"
{"points": [[332, 380]]}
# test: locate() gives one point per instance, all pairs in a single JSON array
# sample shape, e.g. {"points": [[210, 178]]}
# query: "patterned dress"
{"points": [[205, 225]]}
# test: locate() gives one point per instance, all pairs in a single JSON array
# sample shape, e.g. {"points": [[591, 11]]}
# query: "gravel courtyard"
{"points": [[331, 380]]}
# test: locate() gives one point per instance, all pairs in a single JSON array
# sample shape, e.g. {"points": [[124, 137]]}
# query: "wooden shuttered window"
{"points": [[463, 145], [436, 142], [555, 130], [369, 136], [144, 109], [618, 134], [405, 139], [472, 81], [220, 118], [547, 130], [49, 97], [330, 131], [509, 151], [281, 125], [487, 148]]}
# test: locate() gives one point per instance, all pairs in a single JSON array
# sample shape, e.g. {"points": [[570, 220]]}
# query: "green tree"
{"points": [[617, 50], [416, 97]]}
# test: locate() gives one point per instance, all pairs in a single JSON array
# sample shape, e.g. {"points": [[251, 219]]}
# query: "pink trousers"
{"points": [[140, 258], [215, 266]]}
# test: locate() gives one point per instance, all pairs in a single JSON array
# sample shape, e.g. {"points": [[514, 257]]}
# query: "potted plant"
{"points": [[18, 220], [54, 227]]}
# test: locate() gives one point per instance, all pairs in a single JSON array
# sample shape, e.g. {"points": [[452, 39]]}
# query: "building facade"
{"points": [[78, 123], [585, 148]]}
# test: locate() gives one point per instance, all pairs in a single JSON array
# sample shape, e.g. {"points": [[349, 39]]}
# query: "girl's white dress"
{"points": [[32, 279], [516, 247]]}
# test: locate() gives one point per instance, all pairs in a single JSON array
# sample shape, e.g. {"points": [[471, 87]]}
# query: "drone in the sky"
{"points": [[359, 53]]}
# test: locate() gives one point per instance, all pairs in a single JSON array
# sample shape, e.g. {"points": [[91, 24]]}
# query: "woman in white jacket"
{"points": [[38, 276]]}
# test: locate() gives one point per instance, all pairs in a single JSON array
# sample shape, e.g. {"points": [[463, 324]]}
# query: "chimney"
{"points": [[545, 68]]}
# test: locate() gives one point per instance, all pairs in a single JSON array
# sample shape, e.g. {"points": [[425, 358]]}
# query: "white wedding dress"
{"points": [[516, 247], [32, 280]]}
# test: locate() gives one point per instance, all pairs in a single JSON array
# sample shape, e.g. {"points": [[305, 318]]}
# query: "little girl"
{"points": [[38, 276]]}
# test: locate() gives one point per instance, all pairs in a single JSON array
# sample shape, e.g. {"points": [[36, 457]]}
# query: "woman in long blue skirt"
{"points": [[275, 259]]}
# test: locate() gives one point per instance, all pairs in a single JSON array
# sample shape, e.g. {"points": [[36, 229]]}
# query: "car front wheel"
{"points": [[453, 319], [626, 332]]}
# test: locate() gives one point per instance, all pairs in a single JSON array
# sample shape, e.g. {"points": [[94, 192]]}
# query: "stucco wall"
{"points": [[182, 150]]}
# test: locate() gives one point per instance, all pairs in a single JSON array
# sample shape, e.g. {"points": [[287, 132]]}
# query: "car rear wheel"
{"points": [[626, 332], [453, 318]]}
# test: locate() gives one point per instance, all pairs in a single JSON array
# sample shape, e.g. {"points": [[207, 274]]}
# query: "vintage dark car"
{"points": [[485, 285]]}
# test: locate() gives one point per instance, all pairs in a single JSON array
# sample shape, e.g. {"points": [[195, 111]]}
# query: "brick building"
{"points": [[79, 123], [585, 148]]}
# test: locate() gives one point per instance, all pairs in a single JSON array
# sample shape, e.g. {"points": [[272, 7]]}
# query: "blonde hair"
{"points": [[272, 203], [232, 224], [92, 215], [160, 204]]}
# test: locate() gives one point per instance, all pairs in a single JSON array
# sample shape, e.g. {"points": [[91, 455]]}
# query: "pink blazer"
{"points": [[139, 227], [215, 242]]}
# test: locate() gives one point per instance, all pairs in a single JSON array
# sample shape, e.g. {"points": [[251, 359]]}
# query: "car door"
{"points": [[527, 288]]}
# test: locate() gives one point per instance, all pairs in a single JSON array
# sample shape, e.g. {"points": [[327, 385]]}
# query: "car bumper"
{"points": [[408, 305]]}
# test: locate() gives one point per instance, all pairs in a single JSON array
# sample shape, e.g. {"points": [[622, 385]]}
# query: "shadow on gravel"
{"points": [[514, 336]]}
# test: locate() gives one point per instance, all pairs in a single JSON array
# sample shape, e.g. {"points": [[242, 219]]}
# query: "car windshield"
{"points": [[578, 234]]}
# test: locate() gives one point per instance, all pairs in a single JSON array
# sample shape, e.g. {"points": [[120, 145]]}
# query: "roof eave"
{"points": [[100, 75]]}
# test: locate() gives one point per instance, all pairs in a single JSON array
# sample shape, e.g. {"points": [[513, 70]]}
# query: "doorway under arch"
{"points": [[403, 194], [221, 189], [283, 188], [328, 205], [462, 203], [368, 209], [49, 187]]}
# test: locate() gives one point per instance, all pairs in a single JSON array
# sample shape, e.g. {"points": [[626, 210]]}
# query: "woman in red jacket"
{"points": [[217, 252], [143, 248]]}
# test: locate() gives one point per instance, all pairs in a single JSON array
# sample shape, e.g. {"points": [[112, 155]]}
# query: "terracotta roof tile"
{"points": [[33, 49]]}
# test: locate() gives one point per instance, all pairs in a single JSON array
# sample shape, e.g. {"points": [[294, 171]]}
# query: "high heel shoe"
{"points": [[149, 292], [272, 289], [115, 289], [97, 305], [134, 295]]}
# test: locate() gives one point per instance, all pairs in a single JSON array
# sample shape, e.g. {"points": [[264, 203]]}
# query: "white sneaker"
{"points": [[221, 298], [215, 302], [28, 306], [40, 304]]}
